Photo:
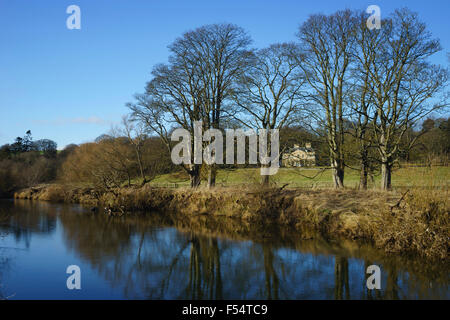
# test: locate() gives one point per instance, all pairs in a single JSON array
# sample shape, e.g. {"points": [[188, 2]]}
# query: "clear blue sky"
{"points": [[71, 85]]}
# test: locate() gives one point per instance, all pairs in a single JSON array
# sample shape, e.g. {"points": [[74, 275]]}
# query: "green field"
{"points": [[317, 177]]}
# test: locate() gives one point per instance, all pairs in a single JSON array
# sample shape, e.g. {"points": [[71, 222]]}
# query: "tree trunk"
{"points": [[194, 175], [141, 167], [265, 179], [337, 173], [363, 177], [363, 170], [212, 172], [386, 170]]}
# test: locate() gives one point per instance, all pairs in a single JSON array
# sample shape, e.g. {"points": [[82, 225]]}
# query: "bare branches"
{"points": [[269, 94], [401, 82], [326, 43]]}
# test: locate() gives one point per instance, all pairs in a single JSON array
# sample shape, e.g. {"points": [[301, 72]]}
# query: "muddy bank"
{"points": [[416, 222]]}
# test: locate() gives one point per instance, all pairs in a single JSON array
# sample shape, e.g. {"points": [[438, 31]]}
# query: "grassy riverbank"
{"points": [[406, 176], [416, 221]]}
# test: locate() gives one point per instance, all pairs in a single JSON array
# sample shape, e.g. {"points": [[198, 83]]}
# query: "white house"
{"points": [[299, 156]]}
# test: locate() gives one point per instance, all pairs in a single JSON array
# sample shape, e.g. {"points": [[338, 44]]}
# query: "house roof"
{"points": [[290, 150]]}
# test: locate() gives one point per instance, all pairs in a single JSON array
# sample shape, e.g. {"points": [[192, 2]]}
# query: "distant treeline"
{"points": [[26, 162], [110, 161]]}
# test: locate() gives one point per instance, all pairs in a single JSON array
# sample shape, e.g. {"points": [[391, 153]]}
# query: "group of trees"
{"points": [[340, 81], [429, 145], [26, 162], [196, 85], [125, 154], [26, 144]]}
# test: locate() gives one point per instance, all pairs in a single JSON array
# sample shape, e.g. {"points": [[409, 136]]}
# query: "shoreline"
{"points": [[410, 223]]}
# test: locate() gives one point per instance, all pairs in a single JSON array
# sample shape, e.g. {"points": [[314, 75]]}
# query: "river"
{"points": [[146, 256]]}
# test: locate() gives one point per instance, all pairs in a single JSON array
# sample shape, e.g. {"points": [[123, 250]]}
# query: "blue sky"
{"points": [[72, 85]]}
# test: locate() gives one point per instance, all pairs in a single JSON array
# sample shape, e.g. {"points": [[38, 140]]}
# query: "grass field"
{"points": [[318, 177]]}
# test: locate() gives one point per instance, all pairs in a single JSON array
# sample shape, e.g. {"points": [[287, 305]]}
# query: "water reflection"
{"points": [[341, 285], [158, 256], [24, 220]]}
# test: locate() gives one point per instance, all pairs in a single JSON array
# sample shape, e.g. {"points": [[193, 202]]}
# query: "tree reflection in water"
{"points": [[27, 219], [341, 284], [157, 256], [21, 222], [205, 279]]}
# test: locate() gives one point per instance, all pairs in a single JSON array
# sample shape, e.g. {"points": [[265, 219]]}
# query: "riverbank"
{"points": [[413, 222]]}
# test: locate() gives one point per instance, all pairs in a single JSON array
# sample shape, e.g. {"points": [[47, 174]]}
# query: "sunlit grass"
{"points": [[319, 177]]}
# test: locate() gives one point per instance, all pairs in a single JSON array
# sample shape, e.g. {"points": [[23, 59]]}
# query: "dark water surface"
{"points": [[141, 257]]}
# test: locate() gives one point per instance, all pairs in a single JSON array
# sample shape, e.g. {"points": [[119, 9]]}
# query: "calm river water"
{"points": [[141, 257]]}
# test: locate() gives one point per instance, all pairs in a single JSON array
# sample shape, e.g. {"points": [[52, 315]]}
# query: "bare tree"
{"points": [[194, 86], [218, 55], [361, 97], [135, 132], [172, 100], [269, 96], [402, 83], [327, 43]]}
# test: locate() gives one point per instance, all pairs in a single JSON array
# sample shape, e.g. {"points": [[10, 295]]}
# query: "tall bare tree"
{"points": [[172, 100], [220, 56], [195, 85], [327, 43], [403, 83], [361, 97], [270, 92]]}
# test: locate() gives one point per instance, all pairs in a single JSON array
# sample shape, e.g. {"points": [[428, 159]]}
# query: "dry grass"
{"points": [[421, 224]]}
